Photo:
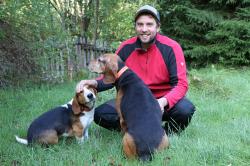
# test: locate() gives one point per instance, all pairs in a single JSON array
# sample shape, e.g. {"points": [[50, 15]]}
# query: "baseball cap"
{"points": [[148, 9]]}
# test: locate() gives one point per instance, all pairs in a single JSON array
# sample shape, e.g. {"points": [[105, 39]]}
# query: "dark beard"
{"points": [[149, 42]]}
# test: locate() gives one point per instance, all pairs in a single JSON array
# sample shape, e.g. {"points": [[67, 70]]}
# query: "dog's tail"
{"points": [[21, 140]]}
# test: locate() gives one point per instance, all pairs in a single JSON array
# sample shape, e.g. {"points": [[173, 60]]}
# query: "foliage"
{"points": [[230, 42], [118, 19], [37, 35], [45, 31], [212, 31], [28, 37]]}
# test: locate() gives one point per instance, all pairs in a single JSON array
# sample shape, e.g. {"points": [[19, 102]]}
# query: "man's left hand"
{"points": [[163, 103]]}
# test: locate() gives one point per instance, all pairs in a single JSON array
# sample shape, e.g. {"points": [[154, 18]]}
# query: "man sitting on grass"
{"points": [[159, 62]]}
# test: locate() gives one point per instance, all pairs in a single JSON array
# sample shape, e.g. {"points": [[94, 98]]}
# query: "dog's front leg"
{"points": [[119, 111], [123, 125], [86, 133], [85, 136], [78, 132]]}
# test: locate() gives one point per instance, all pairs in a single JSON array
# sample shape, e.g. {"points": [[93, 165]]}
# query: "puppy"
{"points": [[139, 112], [71, 119]]}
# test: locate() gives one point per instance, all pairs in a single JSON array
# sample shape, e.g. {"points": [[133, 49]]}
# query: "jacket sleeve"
{"points": [[178, 76], [101, 86]]}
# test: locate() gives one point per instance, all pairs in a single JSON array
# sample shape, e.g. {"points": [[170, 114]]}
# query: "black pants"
{"points": [[176, 119]]}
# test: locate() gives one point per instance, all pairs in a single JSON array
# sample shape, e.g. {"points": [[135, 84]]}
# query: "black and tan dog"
{"points": [[139, 111], [71, 119]]}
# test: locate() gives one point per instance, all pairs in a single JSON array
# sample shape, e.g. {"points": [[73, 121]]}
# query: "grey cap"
{"points": [[148, 9]]}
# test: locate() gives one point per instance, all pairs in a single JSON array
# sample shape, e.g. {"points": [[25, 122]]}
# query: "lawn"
{"points": [[219, 133]]}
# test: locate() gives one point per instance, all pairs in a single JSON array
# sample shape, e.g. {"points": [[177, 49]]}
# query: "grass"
{"points": [[219, 133]]}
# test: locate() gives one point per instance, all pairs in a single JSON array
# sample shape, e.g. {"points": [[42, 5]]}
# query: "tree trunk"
{"points": [[96, 23]]}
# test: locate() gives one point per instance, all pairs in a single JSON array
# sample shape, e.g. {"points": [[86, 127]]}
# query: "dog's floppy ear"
{"points": [[75, 106], [92, 89], [109, 78], [111, 68]]}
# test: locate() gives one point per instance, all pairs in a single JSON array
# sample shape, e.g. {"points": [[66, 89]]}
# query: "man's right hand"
{"points": [[82, 83]]}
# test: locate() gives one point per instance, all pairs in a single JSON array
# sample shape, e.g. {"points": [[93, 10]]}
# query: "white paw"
{"points": [[86, 134], [80, 140]]}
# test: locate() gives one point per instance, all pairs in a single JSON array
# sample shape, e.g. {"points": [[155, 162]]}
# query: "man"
{"points": [[159, 62]]}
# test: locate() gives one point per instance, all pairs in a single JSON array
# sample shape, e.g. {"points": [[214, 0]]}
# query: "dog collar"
{"points": [[123, 69]]}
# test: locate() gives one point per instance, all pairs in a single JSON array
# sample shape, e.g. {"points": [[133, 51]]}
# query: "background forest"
{"points": [[38, 38]]}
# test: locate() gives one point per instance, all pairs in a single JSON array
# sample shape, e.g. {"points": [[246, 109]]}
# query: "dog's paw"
{"points": [[80, 140], [86, 134], [86, 137]]}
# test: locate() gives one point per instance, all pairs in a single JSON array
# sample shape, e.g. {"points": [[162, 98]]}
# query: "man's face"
{"points": [[146, 28]]}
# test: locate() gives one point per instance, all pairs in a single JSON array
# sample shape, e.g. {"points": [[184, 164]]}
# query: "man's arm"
{"points": [[178, 77], [98, 84]]}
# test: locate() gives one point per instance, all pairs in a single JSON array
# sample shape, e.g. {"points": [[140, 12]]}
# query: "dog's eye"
{"points": [[101, 60]]}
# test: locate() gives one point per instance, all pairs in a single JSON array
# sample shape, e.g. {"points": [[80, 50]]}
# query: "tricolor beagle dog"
{"points": [[139, 112], [71, 119]]}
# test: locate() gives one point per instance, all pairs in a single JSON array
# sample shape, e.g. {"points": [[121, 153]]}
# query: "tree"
{"points": [[38, 36], [210, 31]]}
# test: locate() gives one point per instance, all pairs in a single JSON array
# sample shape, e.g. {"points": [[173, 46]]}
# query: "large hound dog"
{"points": [[139, 112]]}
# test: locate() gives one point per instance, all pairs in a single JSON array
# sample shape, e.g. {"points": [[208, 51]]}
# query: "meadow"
{"points": [[219, 133]]}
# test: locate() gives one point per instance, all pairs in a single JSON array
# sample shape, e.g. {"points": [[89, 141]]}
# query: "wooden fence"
{"points": [[73, 59]]}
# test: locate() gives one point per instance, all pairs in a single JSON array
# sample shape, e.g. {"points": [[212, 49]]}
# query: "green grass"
{"points": [[219, 133]]}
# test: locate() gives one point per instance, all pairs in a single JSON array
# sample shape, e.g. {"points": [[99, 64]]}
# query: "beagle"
{"points": [[71, 119], [139, 112]]}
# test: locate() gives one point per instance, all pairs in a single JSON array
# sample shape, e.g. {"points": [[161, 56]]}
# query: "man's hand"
{"points": [[82, 83], [163, 103]]}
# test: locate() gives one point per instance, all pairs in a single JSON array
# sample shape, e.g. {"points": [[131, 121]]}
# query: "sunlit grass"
{"points": [[219, 133]]}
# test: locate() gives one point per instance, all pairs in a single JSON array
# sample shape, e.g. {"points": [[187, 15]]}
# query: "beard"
{"points": [[150, 41]]}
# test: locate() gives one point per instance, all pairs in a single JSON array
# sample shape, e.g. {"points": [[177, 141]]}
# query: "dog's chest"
{"points": [[87, 118]]}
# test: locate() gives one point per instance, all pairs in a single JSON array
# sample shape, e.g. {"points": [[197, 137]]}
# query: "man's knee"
{"points": [[179, 116], [106, 112], [184, 108], [107, 117]]}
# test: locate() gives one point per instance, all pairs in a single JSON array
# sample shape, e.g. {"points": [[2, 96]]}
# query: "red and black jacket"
{"points": [[162, 67]]}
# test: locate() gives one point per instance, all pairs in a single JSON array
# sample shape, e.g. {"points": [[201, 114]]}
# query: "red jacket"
{"points": [[162, 66]]}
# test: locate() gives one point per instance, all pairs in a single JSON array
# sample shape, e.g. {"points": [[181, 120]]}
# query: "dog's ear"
{"points": [[75, 106], [111, 69], [92, 89], [109, 78]]}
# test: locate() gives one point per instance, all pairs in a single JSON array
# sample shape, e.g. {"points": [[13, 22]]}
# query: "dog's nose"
{"points": [[90, 96]]}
